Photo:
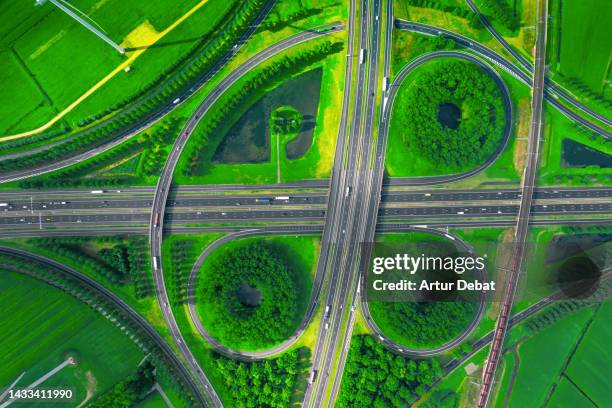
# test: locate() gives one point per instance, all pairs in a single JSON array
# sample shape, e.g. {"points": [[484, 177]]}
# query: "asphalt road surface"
{"points": [[165, 180], [551, 93]]}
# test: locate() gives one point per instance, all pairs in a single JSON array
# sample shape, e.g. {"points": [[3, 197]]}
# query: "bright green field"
{"points": [[566, 395], [542, 358], [66, 59], [591, 364], [304, 248], [585, 42], [45, 323]]}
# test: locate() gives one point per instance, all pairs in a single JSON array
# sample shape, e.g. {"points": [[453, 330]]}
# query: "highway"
{"points": [[158, 207], [500, 61], [138, 127], [52, 200], [513, 271], [527, 65], [357, 196], [116, 302]]}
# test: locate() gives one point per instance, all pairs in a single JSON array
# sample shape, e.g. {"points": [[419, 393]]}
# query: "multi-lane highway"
{"points": [[158, 206]]}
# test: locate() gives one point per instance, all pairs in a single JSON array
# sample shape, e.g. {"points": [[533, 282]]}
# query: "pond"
{"points": [[449, 115], [248, 296], [578, 155], [248, 141]]}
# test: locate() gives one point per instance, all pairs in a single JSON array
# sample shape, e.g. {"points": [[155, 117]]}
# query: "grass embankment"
{"points": [[253, 293], [47, 325]]}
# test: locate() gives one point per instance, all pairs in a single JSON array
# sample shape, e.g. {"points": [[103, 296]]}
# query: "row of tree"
{"points": [[209, 133], [153, 148], [125, 261], [183, 255], [270, 383], [374, 377]]}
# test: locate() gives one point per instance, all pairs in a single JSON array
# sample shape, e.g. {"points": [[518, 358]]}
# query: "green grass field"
{"points": [[591, 364], [567, 395], [59, 60], [542, 358], [584, 22], [45, 324]]}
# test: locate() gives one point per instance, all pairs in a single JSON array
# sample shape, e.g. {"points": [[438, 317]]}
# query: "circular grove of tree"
{"points": [[453, 113], [249, 297]]}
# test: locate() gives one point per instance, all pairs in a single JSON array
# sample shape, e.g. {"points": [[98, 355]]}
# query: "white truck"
{"points": [[362, 55], [97, 191]]}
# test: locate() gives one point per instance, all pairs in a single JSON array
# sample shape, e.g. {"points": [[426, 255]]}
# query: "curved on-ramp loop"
{"points": [[425, 352], [505, 93], [218, 346]]}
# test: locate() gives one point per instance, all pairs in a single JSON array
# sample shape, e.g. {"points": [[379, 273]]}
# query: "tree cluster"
{"points": [[128, 392], [502, 12], [462, 12], [208, 135], [376, 378], [263, 384], [262, 267], [426, 323], [482, 114], [286, 121], [279, 22]]}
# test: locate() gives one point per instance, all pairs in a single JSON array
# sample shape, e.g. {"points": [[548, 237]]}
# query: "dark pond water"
{"points": [[578, 155], [449, 115], [248, 141], [248, 296]]}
